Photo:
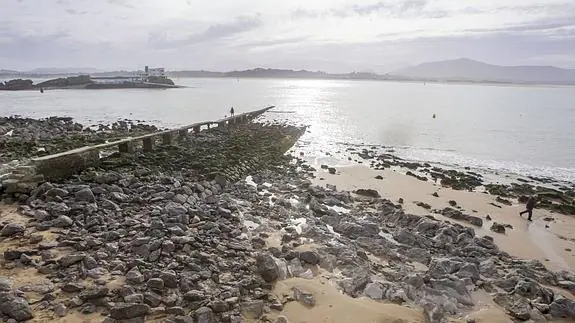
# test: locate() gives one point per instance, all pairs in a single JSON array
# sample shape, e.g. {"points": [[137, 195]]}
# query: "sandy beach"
{"points": [[553, 246]]}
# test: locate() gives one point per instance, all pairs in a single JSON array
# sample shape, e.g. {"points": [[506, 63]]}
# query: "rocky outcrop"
{"points": [[66, 82], [16, 85]]}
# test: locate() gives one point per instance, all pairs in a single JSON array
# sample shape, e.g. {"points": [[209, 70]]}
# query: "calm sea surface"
{"points": [[526, 130]]}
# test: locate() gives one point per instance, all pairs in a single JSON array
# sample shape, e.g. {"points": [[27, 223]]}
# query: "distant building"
{"points": [[151, 72], [138, 77]]}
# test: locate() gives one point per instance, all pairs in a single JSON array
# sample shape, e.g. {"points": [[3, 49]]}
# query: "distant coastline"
{"points": [[292, 74]]}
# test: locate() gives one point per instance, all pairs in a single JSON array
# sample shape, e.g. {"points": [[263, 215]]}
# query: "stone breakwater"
{"points": [[177, 234]]}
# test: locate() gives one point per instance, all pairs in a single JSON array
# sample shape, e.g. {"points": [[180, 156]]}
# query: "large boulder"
{"points": [[562, 308], [15, 307], [267, 267], [11, 229], [128, 311], [517, 306]]}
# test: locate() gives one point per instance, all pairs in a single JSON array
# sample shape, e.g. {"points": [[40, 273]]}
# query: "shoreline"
{"points": [[525, 240], [173, 233]]}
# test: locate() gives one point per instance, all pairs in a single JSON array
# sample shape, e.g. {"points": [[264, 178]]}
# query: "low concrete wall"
{"points": [[66, 165]]}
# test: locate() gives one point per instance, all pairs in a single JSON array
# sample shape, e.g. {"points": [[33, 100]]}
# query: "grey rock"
{"points": [[15, 307], [41, 215], [152, 299], [90, 262], [533, 291], [175, 310], [419, 255], [267, 267], [441, 267], [517, 306], [155, 283], [119, 197], [219, 306], [477, 221], [562, 308], [182, 319], [62, 221], [487, 268], [57, 192], [367, 192], [72, 287], [5, 284], [109, 205], [282, 319], [469, 270], [174, 209], [303, 297], [60, 310], [310, 257], [374, 291], [85, 195], [253, 309], [170, 279], [69, 260], [11, 229], [498, 228], [93, 293], [129, 311], [134, 298], [205, 315], [194, 295], [134, 277]]}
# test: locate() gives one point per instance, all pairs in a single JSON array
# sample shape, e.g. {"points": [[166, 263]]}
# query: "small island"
{"points": [[150, 78]]}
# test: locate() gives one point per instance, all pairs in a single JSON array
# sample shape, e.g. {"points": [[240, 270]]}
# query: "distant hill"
{"points": [[272, 72], [195, 74], [469, 70], [56, 71]]}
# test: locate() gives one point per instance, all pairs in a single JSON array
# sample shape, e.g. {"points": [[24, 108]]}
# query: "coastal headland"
{"points": [[88, 83], [222, 225]]}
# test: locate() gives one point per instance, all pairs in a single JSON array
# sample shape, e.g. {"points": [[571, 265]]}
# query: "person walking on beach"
{"points": [[232, 111], [529, 207]]}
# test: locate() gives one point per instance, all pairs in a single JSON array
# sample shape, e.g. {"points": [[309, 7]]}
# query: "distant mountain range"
{"points": [[453, 71], [464, 69]]}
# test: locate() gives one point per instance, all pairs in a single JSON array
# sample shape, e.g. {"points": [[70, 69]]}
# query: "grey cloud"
{"points": [[401, 9], [122, 3], [214, 32], [75, 12], [392, 7], [303, 13], [272, 43], [551, 26], [223, 30]]}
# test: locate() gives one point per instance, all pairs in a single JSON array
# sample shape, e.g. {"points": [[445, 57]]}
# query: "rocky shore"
{"points": [[202, 231], [22, 138]]}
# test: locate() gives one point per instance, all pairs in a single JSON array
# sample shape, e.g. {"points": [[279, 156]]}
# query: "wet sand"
{"points": [[334, 307], [553, 246]]}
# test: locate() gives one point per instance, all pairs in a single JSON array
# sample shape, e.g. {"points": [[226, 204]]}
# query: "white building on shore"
{"points": [[151, 72]]}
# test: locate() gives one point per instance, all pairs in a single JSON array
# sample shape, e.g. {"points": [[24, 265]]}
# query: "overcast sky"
{"points": [[329, 35]]}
